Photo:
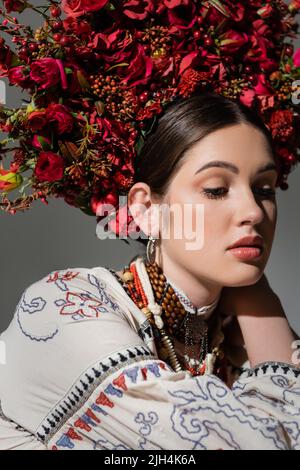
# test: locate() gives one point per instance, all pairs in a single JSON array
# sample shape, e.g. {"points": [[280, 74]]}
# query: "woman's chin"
{"points": [[244, 276]]}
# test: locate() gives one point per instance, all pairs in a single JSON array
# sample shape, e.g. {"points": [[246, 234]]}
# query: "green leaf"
{"points": [[139, 145], [117, 65], [221, 8], [43, 142], [68, 70], [83, 82]]}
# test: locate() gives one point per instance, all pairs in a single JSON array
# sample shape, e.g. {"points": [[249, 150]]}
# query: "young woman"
{"points": [[148, 357]]}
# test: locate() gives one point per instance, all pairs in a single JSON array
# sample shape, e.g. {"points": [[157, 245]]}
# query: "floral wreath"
{"points": [[99, 74]]}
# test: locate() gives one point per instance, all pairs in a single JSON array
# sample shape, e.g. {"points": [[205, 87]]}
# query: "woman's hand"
{"points": [[257, 299], [262, 321]]}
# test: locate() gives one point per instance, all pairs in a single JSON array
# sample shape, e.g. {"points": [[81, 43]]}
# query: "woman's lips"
{"points": [[246, 252]]}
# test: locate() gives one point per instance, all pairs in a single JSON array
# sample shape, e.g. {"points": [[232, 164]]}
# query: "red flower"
{"points": [[15, 5], [176, 3], [140, 68], [37, 120], [138, 9], [183, 17], [36, 142], [46, 72], [49, 167], [281, 124], [99, 202], [16, 76], [232, 41], [5, 59], [79, 27], [60, 116], [80, 7]]}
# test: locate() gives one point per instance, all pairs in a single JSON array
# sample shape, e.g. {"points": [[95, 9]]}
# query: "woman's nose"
{"points": [[249, 208]]}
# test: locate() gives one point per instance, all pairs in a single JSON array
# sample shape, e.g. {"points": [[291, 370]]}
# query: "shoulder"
{"points": [[78, 293], [68, 328], [69, 307]]}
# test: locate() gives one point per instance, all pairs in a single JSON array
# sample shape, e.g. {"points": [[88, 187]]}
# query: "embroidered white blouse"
{"points": [[82, 372]]}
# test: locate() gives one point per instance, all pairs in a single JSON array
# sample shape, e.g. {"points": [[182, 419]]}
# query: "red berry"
{"points": [[289, 50], [208, 42], [55, 11], [252, 79], [57, 37], [23, 51], [57, 25], [33, 46], [197, 34], [65, 40], [144, 97]]}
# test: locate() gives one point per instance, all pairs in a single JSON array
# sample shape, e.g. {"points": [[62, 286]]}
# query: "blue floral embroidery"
{"points": [[146, 428], [37, 304]]}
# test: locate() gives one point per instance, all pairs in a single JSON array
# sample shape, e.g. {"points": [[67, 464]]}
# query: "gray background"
{"points": [[58, 236]]}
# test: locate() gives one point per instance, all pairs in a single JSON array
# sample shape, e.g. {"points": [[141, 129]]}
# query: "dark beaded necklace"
{"points": [[178, 323]]}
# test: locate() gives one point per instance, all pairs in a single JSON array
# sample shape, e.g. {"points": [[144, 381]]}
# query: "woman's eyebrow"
{"points": [[231, 167]]}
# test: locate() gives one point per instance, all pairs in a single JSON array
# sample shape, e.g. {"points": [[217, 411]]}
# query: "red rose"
{"points": [[138, 9], [80, 7], [49, 167], [139, 69], [46, 72], [16, 76], [78, 27], [114, 46], [60, 116], [15, 5], [37, 120], [182, 20], [5, 59]]}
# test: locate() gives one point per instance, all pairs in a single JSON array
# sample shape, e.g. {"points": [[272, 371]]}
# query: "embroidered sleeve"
{"points": [[148, 406]]}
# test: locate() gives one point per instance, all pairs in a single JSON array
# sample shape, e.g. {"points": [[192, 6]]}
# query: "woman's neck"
{"points": [[192, 289]]}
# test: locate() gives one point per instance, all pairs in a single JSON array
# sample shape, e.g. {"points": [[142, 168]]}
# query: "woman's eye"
{"points": [[219, 193], [268, 192], [214, 193]]}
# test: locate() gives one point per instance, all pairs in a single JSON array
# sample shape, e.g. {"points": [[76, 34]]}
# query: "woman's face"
{"points": [[244, 205]]}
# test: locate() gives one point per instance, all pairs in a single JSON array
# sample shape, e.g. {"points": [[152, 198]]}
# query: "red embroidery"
{"points": [[104, 400], [79, 304], [92, 415], [144, 372], [120, 382], [72, 434], [65, 277], [81, 424]]}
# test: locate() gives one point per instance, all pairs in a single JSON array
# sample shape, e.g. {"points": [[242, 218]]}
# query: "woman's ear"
{"points": [[144, 209]]}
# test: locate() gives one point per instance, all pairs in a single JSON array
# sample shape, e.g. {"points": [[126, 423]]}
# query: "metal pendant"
{"points": [[151, 249]]}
